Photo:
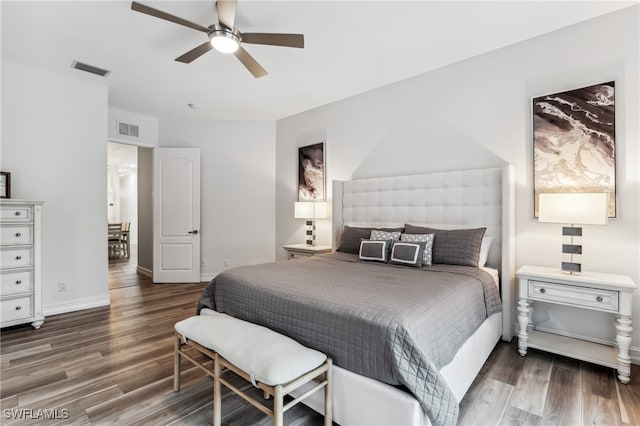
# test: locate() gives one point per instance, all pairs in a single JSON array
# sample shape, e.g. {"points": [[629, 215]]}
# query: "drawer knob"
{"points": [[18, 213], [18, 282], [18, 257], [542, 290], [18, 308], [599, 298], [18, 234]]}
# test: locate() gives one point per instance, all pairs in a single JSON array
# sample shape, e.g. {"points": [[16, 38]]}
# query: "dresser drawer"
{"points": [[16, 257], [606, 300], [12, 282], [16, 234], [16, 213], [17, 308]]}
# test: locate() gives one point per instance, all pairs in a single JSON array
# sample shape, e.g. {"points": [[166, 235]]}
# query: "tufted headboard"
{"points": [[452, 199]]}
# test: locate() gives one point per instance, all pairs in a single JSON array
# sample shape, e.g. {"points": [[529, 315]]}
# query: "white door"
{"points": [[176, 215]]}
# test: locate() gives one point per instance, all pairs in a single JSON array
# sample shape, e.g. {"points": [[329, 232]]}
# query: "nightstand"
{"points": [[589, 290], [302, 250]]}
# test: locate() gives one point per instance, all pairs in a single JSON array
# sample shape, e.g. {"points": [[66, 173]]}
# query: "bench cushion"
{"points": [[265, 355]]}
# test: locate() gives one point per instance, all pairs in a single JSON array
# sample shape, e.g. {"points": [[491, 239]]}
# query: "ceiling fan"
{"points": [[224, 37]]}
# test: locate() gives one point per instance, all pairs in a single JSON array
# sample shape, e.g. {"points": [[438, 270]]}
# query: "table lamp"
{"points": [[573, 208], [310, 210]]}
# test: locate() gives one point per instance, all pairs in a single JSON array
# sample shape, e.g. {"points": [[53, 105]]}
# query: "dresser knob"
{"points": [[599, 298], [18, 234], [18, 282], [18, 308], [18, 213], [542, 290], [18, 257]]}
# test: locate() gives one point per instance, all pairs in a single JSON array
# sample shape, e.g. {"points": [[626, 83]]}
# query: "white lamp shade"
{"points": [[310, 210], [577, 208]]}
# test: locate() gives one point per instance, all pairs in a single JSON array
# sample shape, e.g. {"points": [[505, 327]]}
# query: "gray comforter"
{"points": [[395, 324]]}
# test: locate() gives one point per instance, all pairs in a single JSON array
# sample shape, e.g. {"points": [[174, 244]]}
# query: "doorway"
{"points": [[122, 208]]}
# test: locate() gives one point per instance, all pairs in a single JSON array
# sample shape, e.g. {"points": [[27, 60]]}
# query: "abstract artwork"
{"points": [[574, 142], [311, 172]]}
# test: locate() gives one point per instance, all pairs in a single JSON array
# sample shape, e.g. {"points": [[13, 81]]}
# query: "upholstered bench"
{"points": [[270, 361]]}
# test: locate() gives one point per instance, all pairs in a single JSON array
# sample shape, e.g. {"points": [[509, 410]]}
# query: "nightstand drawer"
{"points": [[18, 308], [605, 300], [16, 234], [15, 282]]}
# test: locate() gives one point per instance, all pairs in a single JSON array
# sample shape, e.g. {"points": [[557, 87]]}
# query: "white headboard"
{"points": [[453, 199]]}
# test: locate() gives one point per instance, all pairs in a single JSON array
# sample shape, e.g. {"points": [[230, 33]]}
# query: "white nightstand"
{"points": [[589, 290], [303, 250]]}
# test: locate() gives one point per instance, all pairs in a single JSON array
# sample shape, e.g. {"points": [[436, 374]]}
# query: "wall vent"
{"points": [[126, 129], [89, 68]]}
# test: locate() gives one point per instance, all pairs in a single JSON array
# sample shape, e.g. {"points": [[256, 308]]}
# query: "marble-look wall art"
{"points": [[574, 142], [311, 175]]}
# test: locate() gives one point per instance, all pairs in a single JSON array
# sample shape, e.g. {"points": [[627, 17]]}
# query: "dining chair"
{"points": [[125, 242]]}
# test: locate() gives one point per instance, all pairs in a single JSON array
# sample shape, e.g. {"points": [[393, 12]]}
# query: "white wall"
{"points": [[477, 113], [53, 143], [238, 188]]}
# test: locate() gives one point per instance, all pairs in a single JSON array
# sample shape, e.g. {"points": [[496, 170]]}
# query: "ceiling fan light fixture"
{"points": [[224, 41]]}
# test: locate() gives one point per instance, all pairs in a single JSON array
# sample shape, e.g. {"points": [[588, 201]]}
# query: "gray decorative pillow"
{"points": [[426, 238], [454, 246], [377, 234], [351, 236], [374, 250], [407, 253]]}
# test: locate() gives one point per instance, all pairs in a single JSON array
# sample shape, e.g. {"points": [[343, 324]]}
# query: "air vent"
{"points": [[126, 129], [89, 68]]}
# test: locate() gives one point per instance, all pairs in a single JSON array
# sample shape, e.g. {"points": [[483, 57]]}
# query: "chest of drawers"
{"points": [[20, 263]]}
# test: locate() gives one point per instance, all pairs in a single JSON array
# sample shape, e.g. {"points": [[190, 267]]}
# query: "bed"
{"points": [[397, 361]]}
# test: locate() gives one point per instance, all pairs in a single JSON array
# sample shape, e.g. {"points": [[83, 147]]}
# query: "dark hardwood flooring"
{"points": [[113, 365]]}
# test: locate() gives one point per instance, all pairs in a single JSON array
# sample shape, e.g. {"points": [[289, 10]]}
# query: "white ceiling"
{"points": [[350, 47]]}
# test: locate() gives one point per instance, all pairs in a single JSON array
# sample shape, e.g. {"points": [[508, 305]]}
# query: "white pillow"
{"points": [[484, 251]]}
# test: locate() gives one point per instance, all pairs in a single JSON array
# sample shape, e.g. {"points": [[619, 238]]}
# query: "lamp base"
{"points": [[572, 249], [311, 233], [571, 268]]}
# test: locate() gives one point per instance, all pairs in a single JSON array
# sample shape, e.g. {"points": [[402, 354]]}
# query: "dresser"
{"points": [[595, 291], [21, 262]]}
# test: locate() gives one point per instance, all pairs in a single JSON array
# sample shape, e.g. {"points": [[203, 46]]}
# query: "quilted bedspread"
{"points": [[395, 324]]}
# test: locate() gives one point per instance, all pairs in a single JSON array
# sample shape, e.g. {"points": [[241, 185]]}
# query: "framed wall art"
{"points": [[5, 185], [574, 142], [311, 173]]}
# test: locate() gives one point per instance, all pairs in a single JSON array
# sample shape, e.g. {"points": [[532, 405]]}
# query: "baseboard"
{"points": [[76, 305], [144, 271], [634, 351], [205, 278]]}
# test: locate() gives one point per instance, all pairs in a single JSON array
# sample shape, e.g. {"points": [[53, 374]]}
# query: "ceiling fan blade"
{"points": [[251, 64], [273, 39], [227, 12], [194, 54], [139, 7]]}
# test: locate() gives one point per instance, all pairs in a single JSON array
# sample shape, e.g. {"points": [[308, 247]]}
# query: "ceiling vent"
{"points": [[126, 129], [89, 68]]}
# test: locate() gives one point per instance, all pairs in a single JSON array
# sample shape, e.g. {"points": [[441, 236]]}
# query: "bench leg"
{"points": [[217, 398], [176, 365], [328, 397], [278, 415]]}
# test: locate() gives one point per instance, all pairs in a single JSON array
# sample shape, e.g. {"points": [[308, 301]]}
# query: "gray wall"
{"points": [[145, 208]]}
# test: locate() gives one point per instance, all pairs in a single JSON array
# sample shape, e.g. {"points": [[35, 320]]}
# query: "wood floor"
{"points": [[113, 365]]}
